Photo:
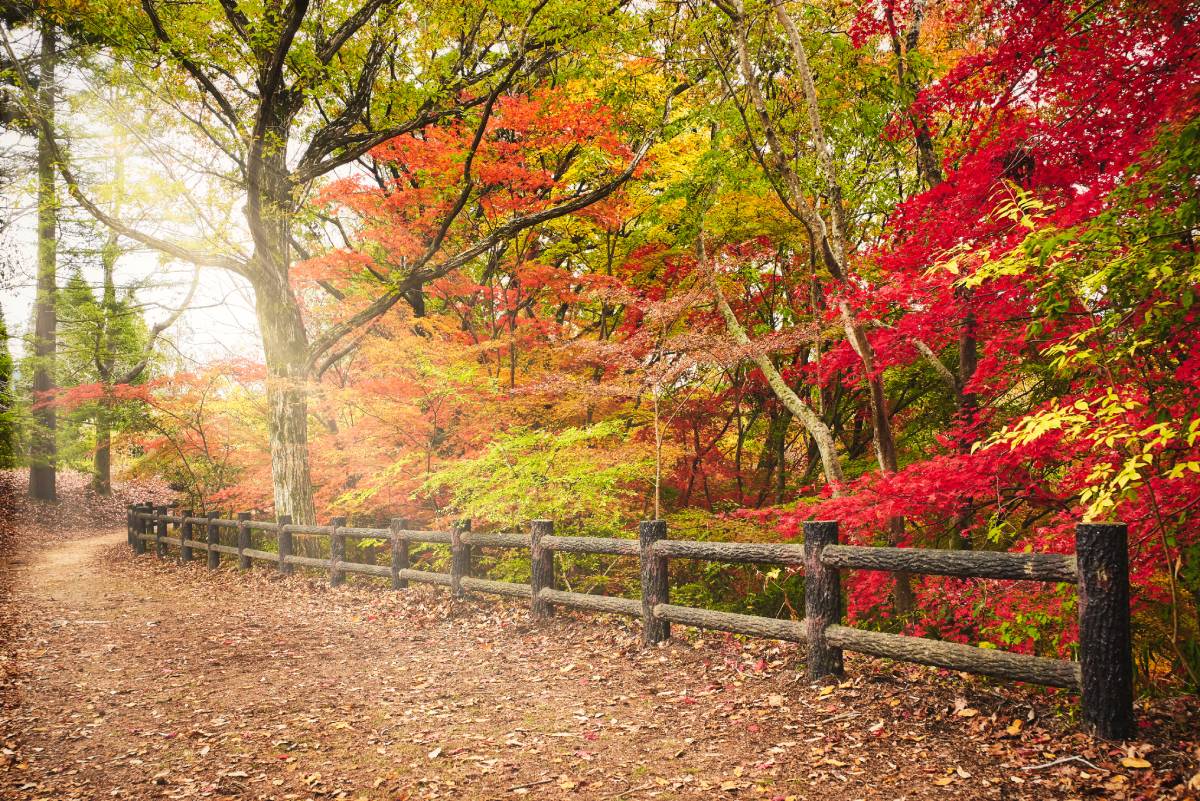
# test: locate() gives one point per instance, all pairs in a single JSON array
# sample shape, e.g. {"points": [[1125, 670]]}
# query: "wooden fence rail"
{"points": [[1103, 675]]}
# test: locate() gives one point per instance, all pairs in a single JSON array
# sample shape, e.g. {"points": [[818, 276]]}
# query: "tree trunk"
{"points": [[102, 458], [105, 357], [285, 346], [43, 450]]}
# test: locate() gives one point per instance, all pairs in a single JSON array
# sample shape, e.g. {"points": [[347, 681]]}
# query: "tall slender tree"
{"points": [[298, 90], [43, 455], [8, 432]]}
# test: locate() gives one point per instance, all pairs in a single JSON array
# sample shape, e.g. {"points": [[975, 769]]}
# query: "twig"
{"points": [[1059, 762], [842, 716], [627, 791], [530, 784]]}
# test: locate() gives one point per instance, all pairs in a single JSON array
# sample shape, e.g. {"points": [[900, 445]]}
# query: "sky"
{"points": [[220, 322]]}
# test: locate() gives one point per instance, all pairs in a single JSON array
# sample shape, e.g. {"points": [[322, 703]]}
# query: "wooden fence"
{"points": [[1103, 675]]}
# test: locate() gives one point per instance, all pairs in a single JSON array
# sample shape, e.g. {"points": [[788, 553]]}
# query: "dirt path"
{"points": [[134, 678]]}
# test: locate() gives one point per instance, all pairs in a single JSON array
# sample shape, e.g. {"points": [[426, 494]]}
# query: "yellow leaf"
{"points": [[1014, 728], [967, 712], [1135, 762], [942, 782]]}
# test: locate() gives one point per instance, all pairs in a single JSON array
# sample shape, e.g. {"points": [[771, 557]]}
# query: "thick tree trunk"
{"points": [[43, 450], [285, 345]]}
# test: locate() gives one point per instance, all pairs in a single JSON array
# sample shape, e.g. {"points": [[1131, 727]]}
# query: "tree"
{"points": [[343, 81], [43, 454], [9, 453]]}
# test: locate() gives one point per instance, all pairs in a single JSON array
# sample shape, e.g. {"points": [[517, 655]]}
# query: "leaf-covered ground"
{"points": [[135, 678]]}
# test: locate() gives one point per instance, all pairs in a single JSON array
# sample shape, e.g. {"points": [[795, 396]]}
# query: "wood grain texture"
{"points": [[597, 545], [954, 656], [760, 552], [496, 540], [750, 625], [967, 564], [506, 588], [594, 603]]}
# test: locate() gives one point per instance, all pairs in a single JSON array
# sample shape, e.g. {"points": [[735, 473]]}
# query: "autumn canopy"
{"points": [[926, 268]]}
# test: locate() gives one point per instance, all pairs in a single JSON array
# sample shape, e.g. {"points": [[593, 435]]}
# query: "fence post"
{"points": [[285, 545], [460, 557], [399, 553], [822, 599], [160, 532], [541, 567], [129, 525], [139, 528], [243, 540], [213, 535], [655, 581], [1105, 647], [185, 534], [337, 552]]}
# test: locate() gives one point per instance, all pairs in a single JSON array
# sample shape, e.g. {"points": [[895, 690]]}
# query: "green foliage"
{"points": [[582, 478]]}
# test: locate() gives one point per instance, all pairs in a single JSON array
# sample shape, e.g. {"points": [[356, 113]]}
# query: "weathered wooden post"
{"points": [[185, 534], [399, 553], [822, 599], [129, 525], [285, 545], [160, 532], [541, 567], [337, 552], [243, 540], [460, 557], [139, 528], [655, 581], [1105, 645], [213, 535]]}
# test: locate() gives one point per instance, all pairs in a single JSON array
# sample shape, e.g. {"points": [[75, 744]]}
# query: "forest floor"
{"points": [[132, 678]]}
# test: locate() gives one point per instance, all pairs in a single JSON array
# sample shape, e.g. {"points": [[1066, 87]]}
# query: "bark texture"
{"points": [[754, 552], [954, 656], [43, 448], [213, 535], [655, 582], [285, 545], [243, 540], [541, 568], [1105, 655], [750, 625], [337, 552], [594, 603], [938, 562], [822, 600], [399, 553]]}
